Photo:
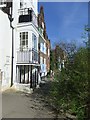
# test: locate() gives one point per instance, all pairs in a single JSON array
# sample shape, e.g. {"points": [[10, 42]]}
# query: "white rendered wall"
{"points": [[20, 27], [5, 48], [28, 4], [6, 39]]}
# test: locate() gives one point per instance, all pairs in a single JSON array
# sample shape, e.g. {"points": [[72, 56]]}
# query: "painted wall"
{"points": [[26, 4], [5, 48], [22, 27], [6, 39]]}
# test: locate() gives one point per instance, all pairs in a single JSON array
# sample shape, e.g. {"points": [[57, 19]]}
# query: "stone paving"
{"points": [[16, 104]]}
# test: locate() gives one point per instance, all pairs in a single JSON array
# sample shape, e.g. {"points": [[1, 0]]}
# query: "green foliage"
{"points": [[69, 91], [56, 56]]}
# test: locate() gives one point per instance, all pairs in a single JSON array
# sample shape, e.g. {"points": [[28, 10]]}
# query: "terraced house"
{"points": [[44, 44], [25, 59]]}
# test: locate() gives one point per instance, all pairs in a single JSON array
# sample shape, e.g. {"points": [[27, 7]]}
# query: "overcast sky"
{"points": [[65, 21]]}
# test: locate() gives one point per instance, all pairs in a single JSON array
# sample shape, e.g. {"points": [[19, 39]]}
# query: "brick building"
{"points": [[44, 44]]}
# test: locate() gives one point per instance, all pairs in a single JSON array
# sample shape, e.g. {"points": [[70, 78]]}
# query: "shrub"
{"points": [[70, 89]]}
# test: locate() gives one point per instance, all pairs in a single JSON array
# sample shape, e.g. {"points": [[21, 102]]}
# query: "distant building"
{"points": [[31, 47], [58, 58], [44, 44]]}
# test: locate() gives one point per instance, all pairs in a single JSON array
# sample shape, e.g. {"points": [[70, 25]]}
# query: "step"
{"points": [[23, 87]]}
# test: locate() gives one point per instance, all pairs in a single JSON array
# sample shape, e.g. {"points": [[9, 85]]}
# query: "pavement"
{"points": [[17, 104]]}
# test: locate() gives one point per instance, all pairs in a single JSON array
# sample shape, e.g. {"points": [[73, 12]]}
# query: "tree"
{"points": [[70, 90], [57, 56], [52, 60]]}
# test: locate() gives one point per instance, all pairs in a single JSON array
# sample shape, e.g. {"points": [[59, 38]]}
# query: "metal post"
{"points": [[16, 73], [37, 74], [20, 73], [11, 20], [31, 78], [35, 78], [24, 75], [12, 58], [28, 74]]}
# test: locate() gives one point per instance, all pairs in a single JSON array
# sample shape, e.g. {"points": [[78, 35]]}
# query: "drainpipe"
{"points": [[11, 20], [12, 55]]}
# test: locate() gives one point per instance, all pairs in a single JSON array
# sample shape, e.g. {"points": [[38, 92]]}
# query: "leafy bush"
{"points": [[70, 88]]}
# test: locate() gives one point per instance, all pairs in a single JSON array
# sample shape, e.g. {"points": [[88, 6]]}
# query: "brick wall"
{"points": [[40, 21]]}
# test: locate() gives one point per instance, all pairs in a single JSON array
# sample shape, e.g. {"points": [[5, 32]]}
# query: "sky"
{"points": [[65, 21]]}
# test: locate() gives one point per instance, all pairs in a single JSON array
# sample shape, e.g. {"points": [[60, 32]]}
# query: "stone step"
{"points": [[23, 87]]}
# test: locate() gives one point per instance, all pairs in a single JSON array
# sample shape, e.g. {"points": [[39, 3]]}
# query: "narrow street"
{"points": [[21, 105], [17, 105]]}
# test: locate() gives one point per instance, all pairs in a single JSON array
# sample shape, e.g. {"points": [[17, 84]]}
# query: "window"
{"points": [[2, 2], [24, 40], [44, 61], [34, 41], [21, 5], [34, 56], [48, 52], [41, 60], [43, 48], [42, 25]]}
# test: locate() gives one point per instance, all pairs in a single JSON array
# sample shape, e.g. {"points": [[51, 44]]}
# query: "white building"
{"points": [[5, 50], [26, 67]]}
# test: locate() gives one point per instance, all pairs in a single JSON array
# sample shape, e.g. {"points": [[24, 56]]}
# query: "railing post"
{"points": [[37, 74], [20, 73], [28, 74], [35, 78], [31, 77], [24, 74]]}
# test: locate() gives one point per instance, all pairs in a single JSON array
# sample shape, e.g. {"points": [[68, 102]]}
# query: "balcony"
{"points": [[27, 56], [27, 15]]}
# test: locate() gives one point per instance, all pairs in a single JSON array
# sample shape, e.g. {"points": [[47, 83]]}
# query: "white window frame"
{"points": [[24, 40]]}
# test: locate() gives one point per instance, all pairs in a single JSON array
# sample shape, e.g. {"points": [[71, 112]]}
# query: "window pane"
{"points": [[23, 35], [34, 41], [26, 36], [26, 42], [24, 39], [23, 42], [20, 35]]}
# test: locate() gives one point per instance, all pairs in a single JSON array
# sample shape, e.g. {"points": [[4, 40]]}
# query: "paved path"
{"points": [[21, 105]]}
